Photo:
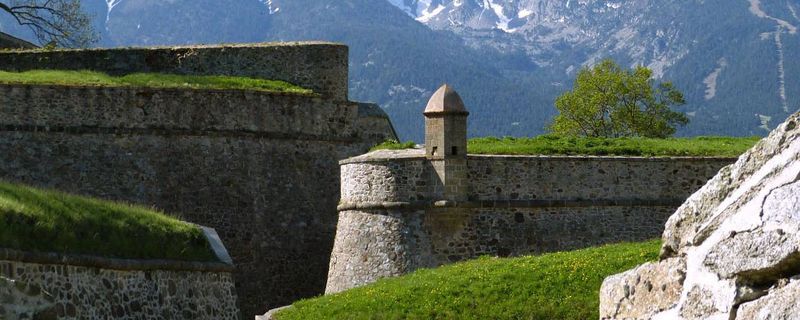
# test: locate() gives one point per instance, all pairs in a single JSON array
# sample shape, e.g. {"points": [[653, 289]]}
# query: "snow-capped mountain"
{"points": [[692, 42], [547, 29], [737, 61]]}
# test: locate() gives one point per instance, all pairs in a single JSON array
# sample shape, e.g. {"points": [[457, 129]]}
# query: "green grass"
{"points": [[39, 220], [393, 145], [561, 285], [554, 145], [158, 80]]}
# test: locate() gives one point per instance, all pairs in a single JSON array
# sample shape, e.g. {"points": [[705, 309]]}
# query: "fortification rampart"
{"points": [[177, 111], [8, 41], [260, 168], [79, 287], [319, 66], [392, 221]]}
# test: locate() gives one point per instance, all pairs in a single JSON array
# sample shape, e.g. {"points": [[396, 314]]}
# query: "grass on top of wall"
{"points": [[156, 80], [555, 145], [38, 220], [562, 285], [393, 145]]}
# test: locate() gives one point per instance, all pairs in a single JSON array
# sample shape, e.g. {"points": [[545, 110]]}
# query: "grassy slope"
{"points": [[91, 78], [560, 285], [553, 145], [47, 221]]}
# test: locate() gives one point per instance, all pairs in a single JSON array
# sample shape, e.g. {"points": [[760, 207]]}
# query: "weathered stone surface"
{"points": [[643, 292], [750, 252], [445, 100], [79, 292], [780, 304], [22, 301], [702, 213], [739, 236]]}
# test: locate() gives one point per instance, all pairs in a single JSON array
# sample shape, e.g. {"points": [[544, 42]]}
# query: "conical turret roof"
{"points": [[445, 101]]}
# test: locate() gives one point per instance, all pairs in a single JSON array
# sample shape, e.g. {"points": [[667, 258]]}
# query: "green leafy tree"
{"points": [[609, 101], [55, 23]]}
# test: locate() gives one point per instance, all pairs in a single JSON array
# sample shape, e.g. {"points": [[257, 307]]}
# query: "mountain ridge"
{"points": [[735, 61]]}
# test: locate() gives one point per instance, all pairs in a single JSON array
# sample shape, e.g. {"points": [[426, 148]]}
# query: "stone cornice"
{"points": [[478, 204], [112, 263]]}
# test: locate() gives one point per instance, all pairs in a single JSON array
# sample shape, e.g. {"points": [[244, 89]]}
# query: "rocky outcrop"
{"points": [[731, 251], [660, 282]]}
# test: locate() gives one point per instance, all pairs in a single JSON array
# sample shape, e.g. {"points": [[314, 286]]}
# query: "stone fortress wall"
{"points": [[261, 168], [320, 66], [394, 217], [8, 41], [52, 286]]}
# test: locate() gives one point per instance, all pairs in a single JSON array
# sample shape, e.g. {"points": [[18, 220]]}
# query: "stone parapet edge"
{"points": [[605, 158], [357, 159], [112, 263], [146, 89], [172, 132], [417, 157], [197, 46], [479, 204]]}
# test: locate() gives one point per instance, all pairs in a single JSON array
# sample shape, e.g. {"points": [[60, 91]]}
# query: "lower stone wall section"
{"points": [[374, 244], [78, 292], [273, 202], [22, 301]]}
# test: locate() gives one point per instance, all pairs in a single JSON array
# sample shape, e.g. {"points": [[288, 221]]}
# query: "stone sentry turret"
{"points": [[446, 144], [402, 210]]}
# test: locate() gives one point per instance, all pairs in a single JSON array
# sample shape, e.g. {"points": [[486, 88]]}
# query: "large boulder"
{"points": [[731, 251]]}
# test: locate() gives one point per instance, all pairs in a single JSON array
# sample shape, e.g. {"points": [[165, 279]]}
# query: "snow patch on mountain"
{"points": [[711, 80], [503, 21], [111, 4], [781, 25], [421, 10], [755, 9], [793, 11], [397, 89], [427, 15], [764, 120], [273, 8], [781, 69]]}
